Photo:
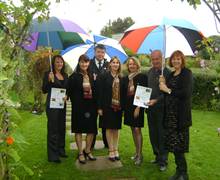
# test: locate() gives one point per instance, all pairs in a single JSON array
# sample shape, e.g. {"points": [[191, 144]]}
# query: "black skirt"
{"points": [[111, 119], [129, 114], [175, 140], [84, 118]]}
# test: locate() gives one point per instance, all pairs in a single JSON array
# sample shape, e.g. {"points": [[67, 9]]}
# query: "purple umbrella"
{"points": [[55, 33]]}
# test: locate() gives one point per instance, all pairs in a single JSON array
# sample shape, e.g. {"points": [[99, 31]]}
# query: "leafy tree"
{"points": [[117, 26], [214, 6], [14, 24]]}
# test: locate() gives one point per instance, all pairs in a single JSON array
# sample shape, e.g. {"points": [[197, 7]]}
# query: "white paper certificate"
{"points": [[142, 96], [56, 98]]}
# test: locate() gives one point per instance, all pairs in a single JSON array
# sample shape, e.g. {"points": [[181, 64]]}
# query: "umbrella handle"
{"points": [[51, 69]]}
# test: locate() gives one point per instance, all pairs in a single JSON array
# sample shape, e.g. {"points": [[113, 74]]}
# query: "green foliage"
{"points": [[14, 24], [117, 26], [206, 87], [194, 3]]}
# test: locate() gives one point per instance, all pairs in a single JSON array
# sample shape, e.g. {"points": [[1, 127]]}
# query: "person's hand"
{"points": [[164, 88], [94, 76], [51, 77], [100, 112], [152, 102], [136, 112], [162, 79], [65, 99]]}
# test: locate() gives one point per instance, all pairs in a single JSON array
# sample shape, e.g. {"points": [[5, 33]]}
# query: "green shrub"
{"points": [[205, 96]]}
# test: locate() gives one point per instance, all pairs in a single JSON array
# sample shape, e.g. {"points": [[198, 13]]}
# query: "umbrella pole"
{"points": [[50, 60], [48, 42], [164, 48]]}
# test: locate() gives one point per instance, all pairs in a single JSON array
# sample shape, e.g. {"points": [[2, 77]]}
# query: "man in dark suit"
{"points": [[155, 112], [98, 65]]}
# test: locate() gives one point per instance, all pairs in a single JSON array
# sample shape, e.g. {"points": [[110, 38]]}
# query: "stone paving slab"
{"points": [[102, 163], [98, 145]]}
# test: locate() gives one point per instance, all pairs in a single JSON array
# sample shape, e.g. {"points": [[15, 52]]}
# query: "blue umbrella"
{"points": [[113, 48]]}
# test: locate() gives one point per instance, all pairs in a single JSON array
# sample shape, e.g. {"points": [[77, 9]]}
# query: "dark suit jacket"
{"points": [[104, 84], [46, 88], [94, 69], [183, 92]]}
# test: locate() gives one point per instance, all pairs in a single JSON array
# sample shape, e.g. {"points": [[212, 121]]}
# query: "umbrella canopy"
{"points": [[113, 48], [168, 35], [56, 33]]}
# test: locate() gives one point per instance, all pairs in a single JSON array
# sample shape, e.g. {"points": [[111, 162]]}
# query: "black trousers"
{"points": [[103, 138], [181, 165], [56, 130], [156, 133]]}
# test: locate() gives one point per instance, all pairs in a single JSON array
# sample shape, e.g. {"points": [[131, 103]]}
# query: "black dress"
{"points": [[56, 124], [129, 108], [177, 107], [111, 119], [84, 111]]}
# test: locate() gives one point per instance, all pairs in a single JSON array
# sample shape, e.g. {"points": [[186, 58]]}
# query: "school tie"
{"points": [[100, 65]]}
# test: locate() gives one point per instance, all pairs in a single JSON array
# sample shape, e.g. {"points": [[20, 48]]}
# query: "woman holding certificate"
{"points": [[133, 115], [81, 90], [178, 119], [110, 105], [55, 84]]}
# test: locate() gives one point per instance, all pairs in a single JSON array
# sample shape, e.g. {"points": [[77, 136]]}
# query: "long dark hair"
{"points": [[85, 58], [53, 64]]}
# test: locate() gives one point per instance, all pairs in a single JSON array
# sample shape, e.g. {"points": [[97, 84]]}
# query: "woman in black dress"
{"points": [[56, 125], [178, 119], [82, 95], [133, 115], [110, 105]]}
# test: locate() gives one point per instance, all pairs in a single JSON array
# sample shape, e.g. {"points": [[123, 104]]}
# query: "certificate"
{"points": [[142, 96], [56, 98]]}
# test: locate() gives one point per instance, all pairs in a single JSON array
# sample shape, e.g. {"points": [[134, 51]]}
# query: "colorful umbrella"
{"points": [[55, 33], [167, 36], [113, 48]]}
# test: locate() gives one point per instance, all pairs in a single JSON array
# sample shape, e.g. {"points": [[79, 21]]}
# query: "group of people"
{"points": [[97, 89]]}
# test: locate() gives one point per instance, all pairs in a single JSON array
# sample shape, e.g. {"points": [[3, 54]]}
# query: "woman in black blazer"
{"points": [[133, 115], [110, 105], [56, 125], [178, 118], [81, 90]]}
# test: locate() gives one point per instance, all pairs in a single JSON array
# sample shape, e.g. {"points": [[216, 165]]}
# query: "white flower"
{"points": [[217, 89]]}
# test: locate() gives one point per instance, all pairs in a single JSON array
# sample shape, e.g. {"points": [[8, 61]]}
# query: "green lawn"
{"points": [[203, 159]]}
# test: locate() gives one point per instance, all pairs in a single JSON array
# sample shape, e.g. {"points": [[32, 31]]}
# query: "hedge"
{"points": [[205, 97]]}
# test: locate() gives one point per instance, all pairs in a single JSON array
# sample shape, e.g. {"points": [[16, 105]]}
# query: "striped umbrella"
{"points": [[113, 48], [167, 35]]}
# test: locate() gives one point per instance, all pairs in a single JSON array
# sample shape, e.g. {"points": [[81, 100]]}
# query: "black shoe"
{"points": [[55, 161], [63, 156], [80, 160], [89, 156], [117, 158], [163, 168], [138, 160], [111, 159]]}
